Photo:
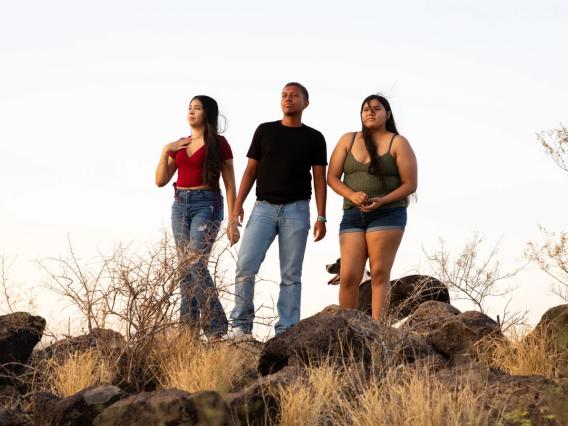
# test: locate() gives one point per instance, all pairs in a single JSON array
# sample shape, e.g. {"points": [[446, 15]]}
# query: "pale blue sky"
{"points": [[89, 93]]}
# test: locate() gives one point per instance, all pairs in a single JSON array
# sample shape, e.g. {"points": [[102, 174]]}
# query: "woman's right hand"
{"points": [[177, 145], [358, 198]]}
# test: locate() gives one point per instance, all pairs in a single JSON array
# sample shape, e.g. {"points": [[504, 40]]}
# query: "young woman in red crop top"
{"points": [[197, 212]]}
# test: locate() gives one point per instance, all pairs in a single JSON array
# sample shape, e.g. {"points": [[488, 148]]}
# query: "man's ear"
{"points": [[307, 103]]}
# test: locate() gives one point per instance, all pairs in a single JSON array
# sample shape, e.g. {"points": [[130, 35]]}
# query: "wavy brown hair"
{"points": [[375, 165], [213, 159]]}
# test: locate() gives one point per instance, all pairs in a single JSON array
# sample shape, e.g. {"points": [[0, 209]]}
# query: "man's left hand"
{"points": [[319, 230]]}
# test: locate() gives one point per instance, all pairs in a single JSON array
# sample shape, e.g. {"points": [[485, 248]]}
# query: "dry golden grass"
{"points": [[185, 363], [402, 398], [417, 398], [314, 400], [78, 371], [522, 354]]}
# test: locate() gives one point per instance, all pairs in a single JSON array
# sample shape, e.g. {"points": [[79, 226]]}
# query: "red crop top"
{"points": [[190, 169]]}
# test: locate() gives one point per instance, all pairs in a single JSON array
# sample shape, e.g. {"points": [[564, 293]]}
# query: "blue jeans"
{"points": [[196, 216], [291, 222]]}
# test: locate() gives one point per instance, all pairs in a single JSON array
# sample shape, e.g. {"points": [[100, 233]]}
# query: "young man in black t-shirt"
{"points": [[280, 158]]}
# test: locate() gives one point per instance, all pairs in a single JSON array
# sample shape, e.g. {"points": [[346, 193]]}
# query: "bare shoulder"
{"points": [[398, 139], [345, 140], [400, 143]]}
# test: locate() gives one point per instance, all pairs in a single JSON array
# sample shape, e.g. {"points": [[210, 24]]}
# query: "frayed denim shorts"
{"points": [[354, 220]]}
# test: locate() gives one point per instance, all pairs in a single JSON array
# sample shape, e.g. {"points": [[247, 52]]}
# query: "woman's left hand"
{"points": [[372, 204]]}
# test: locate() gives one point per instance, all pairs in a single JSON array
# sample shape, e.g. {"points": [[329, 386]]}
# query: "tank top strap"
{"points": [[352, 141], [392, 140]]}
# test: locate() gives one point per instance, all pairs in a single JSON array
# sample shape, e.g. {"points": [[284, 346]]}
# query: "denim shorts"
{"points": [[354, 220]]}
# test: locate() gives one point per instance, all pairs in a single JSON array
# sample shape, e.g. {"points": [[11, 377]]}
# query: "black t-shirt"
{"points": [[285, 156]]}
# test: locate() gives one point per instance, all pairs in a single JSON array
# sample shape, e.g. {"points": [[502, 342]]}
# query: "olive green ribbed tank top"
{"points": [[357, 177]]}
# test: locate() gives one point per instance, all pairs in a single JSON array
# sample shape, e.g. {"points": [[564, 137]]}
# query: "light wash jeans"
{"points": [[291, 222], [196, 216]]}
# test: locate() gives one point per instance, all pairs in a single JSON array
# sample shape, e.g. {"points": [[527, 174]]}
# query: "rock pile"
{"points": [[436, 335]]}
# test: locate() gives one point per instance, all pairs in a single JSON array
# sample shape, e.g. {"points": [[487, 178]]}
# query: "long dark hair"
{"points": [[375, 165], [213, 161]]}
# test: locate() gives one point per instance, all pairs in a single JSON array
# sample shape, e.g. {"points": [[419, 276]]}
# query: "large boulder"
{"points": [[450, 332], [553, 326], [79, 408], [554, 322], [104, 340], [333, 332], [167, 407], [19, 333], [109, 344], [340, 334], [406, 294]]}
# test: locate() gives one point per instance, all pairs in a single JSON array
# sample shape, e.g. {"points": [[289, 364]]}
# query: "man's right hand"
{"points": [[238, 215]]}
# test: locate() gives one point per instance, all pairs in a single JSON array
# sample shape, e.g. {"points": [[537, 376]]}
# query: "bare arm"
{"points": [[335, 172], [320, 190], [167, 165], [228, 173], [166, 169], [247, 181]]}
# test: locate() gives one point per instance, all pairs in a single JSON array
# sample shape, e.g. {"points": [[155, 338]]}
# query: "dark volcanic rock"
{"points": [[80, 408], [332, 332], [19, 333], [554, 322], [553, 326], [407, 293], [167, 407], [450, 332], [519, 400], [345, 335], [106, 341], [10, 417], [257, 403], [430, 315]]}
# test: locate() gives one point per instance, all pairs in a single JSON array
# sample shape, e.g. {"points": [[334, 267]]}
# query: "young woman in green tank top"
{"points": [[379, 173]]}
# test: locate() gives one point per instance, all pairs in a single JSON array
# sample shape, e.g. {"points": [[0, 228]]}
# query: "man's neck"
{"points": [[292, 121]]}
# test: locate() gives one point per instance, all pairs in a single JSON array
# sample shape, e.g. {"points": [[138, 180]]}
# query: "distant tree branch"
{"points": [[555, 144]]}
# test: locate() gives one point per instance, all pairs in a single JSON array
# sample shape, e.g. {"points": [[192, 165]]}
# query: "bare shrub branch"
{"points": [[468, 276], [136, 294], [555, 144], [12, 294], [552, 257], [5, 286], [512, 320]]}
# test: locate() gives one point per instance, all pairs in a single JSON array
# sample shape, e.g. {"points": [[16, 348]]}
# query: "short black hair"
{"points": [[301, 87]]}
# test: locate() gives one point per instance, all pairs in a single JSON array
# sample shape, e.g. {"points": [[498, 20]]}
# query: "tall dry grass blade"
{"points": [[417, 398], [522, 354], [78, 371], [183, 362], [314, 400]]}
